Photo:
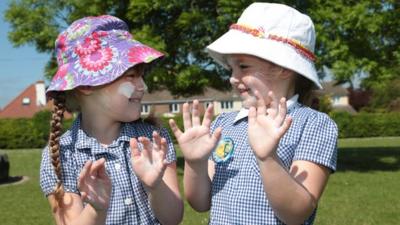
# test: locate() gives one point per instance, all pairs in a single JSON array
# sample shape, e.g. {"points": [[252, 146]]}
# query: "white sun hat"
{"points": [[274, 32]]}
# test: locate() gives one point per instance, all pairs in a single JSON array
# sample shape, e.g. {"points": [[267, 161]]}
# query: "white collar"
{"points": [[243, 113]]}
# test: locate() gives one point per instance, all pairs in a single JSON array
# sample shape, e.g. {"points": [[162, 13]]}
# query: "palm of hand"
{"points": [[196, 143], [95, 185], [264, 136], [267, 126], [149, 169], [149, 164]]}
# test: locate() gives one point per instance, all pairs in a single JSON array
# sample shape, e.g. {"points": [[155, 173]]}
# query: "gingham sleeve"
{"points": [[48, 177], [171, 155], [318, 142]]}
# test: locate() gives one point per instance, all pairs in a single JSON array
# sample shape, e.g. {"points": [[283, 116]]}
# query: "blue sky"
{"points": [[19, 67]]}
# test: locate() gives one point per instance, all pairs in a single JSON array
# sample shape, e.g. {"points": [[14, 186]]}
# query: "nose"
{"points": [[141, 85], [234, 81], [235, 78]]}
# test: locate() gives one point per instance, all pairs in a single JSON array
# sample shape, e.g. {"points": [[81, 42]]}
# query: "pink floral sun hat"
{"points": [[95, 51]]}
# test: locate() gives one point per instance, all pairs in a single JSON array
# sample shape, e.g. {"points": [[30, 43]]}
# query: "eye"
{"points": [[243, 66]]}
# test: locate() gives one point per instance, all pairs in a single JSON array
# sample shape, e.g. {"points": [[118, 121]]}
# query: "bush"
{"points": [[27, 133], [367, 124]]}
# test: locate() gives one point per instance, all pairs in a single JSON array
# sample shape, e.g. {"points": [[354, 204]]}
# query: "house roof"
{"points": [[332, 88], [29, 102], [26, 104], [210, 94]]}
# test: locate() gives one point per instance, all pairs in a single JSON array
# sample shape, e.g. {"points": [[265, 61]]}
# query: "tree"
{"points": [[360, 37], [352, 36]]}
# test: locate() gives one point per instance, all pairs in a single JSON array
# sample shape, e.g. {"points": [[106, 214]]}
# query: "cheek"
{"points": [[126, 89]]}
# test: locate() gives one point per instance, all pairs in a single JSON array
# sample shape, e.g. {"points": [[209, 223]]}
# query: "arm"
{"points": [[197, 182], [196, 144], [159, 179], [293, 194], [165, 199], [95, 188]]}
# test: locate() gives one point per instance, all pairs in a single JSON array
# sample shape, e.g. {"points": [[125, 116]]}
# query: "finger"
{"points": [[261, 108], [96, 166], [273, 104], [164, 147], [147, 146], [83, 196], [217, 135], [208, 115], [156, 141], [134, 148], [252, 116], [103, 172], [280, 119], [285, 126], [195, 113], [84, 173], [175, 129], [187, 123]]}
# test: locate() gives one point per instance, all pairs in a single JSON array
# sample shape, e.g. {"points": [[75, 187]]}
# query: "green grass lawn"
{"points": [[364, 190]]}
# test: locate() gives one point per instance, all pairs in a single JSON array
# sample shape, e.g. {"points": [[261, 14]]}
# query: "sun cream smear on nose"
{"points": [[126, 89]]}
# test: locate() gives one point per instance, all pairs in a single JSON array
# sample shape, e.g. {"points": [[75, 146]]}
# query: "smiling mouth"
{"points": [[135, 99], [241, 91]]}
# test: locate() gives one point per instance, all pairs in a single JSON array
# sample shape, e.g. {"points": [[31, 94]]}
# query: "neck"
{"points": [[104, 130]]}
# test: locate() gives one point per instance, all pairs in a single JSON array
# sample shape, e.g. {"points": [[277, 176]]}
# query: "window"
{"points": [[206, 104], [145, 109], [26, 101], [174, 108], [336, 100], [227, 105]]}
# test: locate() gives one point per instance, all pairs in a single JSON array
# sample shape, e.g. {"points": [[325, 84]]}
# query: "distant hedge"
{"points": [[33, 133], [367, 124], [26, 133]]}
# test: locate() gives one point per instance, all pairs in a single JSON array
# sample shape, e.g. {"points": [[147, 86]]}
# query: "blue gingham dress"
{"points": [[237, 191], [129, 202]]}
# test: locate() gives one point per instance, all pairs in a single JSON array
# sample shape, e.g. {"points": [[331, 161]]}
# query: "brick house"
{"points": [[28, 102], [162, 103], [338, 95]]}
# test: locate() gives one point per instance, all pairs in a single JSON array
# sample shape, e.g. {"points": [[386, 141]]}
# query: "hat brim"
{"points": [[237, 42], [70, 75]]}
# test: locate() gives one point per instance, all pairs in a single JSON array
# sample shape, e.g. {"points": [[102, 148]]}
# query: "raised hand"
{"points": [[196, 142], [267, 125], [149, 164], [95, 185]]}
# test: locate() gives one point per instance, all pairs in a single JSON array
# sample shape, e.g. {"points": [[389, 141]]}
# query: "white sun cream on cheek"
{"points": [[126, 89]]}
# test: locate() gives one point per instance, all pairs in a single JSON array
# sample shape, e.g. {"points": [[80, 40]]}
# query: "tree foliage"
{"points": [[353, 37]]}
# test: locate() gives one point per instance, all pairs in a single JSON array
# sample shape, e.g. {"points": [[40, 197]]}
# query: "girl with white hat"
{"points": [[270, 162]]}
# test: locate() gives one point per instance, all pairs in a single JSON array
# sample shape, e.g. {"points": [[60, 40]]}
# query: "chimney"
{"points": [[40, 93]]}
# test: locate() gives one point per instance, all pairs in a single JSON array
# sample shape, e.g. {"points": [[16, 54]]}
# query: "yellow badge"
{"points": [[224, 150]]}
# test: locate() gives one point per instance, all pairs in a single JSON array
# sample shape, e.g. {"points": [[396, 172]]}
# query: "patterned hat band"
{"points": [[259, 33]]}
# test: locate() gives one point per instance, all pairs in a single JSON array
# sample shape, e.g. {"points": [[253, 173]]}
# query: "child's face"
{"points": [[250, 73], [121, 100]]}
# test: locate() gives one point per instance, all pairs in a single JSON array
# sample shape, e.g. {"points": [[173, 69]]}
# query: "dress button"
{"points": [[117, 166], [128, 201]]}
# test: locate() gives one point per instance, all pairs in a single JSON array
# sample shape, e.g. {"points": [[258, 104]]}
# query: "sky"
{"points": [[19, 67]]}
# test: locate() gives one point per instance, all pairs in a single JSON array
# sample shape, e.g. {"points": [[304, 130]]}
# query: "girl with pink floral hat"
{"points": [[110, 167], [270, 162]]}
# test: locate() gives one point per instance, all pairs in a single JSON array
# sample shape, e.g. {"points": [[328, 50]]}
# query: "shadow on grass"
{"points": [[368, 159]]}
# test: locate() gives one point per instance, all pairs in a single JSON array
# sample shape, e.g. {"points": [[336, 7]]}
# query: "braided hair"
{"points": [[54, 143]]}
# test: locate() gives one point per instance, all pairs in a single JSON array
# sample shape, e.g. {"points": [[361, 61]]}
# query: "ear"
{"points": [[287, 74], [85, 90]]}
